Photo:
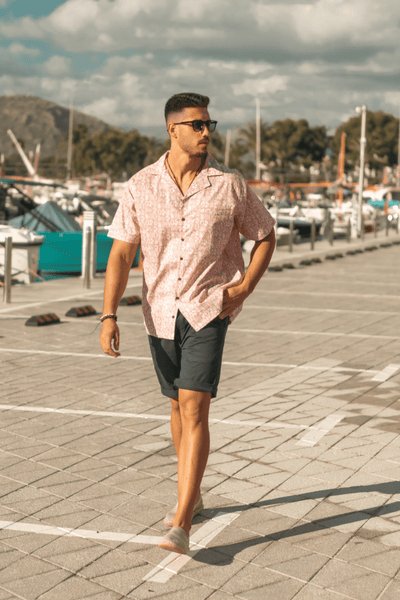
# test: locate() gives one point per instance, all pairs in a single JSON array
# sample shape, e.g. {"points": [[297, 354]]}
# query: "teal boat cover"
{"points": [[52, 212]]}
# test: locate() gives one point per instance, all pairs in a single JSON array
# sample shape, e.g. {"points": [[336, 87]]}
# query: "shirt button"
{"points": [[183, 218], [177, 298], [179, 278], [181, 258], [182, 240], [173, 316]]}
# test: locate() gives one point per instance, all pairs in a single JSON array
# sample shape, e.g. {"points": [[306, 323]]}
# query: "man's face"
{"points": [[192, 142]]}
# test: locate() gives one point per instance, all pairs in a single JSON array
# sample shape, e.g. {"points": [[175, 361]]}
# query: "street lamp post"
{"points": [[398, 158], [258, 140], [363, 141]]}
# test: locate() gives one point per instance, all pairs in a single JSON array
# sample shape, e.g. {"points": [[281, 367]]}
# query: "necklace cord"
{"points": [[202, 163]]}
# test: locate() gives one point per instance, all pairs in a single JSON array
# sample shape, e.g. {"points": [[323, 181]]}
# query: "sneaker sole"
{"points": [[171, 547]]}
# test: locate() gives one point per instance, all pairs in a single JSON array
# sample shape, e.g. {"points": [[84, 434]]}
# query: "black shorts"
{"points": [[192, 361]]}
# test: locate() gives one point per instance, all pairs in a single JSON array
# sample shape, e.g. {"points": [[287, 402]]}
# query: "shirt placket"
{"points": [[181, 253]]}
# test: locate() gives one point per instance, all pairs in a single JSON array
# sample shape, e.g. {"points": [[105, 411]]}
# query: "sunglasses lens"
{"points": [[198, 125], [211, 125]]}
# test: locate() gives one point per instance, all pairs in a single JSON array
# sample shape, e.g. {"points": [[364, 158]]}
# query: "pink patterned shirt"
{"points": [[190, 244]]}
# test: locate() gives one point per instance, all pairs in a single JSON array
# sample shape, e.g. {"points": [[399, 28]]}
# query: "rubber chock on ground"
{"points": [[288, 266], [275, 268], [396, 242], [371, 248], [39, 320], [339, 255], [130, 301], [351, 252], [330, 257], [358, 251], [316, 260], [385, 245], [81, 311], [306, 262]]}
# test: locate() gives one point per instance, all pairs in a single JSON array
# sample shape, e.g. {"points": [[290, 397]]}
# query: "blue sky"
{"points": [[121, 59]]}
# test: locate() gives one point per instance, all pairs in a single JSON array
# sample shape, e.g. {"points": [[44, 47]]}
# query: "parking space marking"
{"points": [[198, 541], [330, 310], [305, 333], [63, 299], [386, 373], [318, 431], [121, 415], [330, 294], [83, 533], [148, 358]]}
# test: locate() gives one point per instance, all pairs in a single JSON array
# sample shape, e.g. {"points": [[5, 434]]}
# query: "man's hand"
{"points": [[109, 337], [233, 297]]}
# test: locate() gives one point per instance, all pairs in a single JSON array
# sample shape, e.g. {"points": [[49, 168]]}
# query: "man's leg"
{"points": [[193, 440], [176, 425]]}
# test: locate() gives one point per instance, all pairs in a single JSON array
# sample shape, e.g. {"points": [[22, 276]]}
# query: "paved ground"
{"points": [[302, 488]]}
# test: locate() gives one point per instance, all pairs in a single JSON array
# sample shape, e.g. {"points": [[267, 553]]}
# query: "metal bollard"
{"points": [[86, 264], [376, 225], [291, 236], [330, 230], [349, 229], [313, 230], [362, 232], [7, 269], [387, 225], [398, 223]]}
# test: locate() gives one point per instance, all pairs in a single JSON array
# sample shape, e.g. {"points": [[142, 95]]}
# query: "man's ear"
{"points": [[172, 130]]}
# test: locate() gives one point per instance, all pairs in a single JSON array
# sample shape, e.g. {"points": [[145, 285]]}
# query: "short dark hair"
{"points": [[178, 102]]}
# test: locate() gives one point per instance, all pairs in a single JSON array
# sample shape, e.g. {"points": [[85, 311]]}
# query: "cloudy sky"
{"points": [[121, 59]]}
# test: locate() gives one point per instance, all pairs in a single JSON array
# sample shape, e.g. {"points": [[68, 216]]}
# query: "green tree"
{"points": [[382, 139]]}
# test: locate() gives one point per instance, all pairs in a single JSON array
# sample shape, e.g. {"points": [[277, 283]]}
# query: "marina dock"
{"points": [[302, 487]]}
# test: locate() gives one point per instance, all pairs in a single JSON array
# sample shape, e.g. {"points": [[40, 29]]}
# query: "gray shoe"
{"points": [[176, 540], [169, 518]]}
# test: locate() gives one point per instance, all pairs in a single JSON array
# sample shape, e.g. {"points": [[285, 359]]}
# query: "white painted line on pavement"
{"points": [[386, 373], [329, 310], [199, 540], [86, 355], [305, 333], [95, 413], [122, 415], [330, 294], [63, 299], [148, 358], [312, 437], [83, 533]]}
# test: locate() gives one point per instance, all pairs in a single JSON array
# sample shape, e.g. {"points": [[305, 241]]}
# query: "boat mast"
{"points": [[69, 153]]}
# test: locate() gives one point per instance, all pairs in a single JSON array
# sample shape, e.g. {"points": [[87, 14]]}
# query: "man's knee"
{"points": [[194, 406]]}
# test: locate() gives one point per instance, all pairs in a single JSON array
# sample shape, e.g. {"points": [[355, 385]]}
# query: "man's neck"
{"points": [[183, 164]]}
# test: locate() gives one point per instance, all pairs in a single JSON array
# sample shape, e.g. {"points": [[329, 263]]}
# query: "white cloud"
{"points": [[258, 87], [393, 98], [103, 108], [20, 49], [316, 59], [58, 65]]}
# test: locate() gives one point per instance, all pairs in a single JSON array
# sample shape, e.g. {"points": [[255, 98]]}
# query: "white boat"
{"points": [[25, 253]]}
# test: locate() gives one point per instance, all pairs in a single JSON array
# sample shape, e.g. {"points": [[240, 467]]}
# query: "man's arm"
{"points": [[259, 260], [118, 267]]}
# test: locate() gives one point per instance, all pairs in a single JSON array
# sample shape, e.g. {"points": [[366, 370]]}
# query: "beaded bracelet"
{"points": [[109, 316]]}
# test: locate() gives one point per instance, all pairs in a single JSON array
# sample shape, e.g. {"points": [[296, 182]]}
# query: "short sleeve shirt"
{"points": [[190, 244]]}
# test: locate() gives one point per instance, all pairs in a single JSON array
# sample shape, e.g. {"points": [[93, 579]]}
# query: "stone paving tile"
{"points": [[77, 587], [336, 502]]}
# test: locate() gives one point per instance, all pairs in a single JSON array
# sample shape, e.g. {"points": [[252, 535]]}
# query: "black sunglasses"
{"points": [[199, 125]]}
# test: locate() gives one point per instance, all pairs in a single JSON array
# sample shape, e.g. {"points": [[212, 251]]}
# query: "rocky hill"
{"points": [[35, 120]]}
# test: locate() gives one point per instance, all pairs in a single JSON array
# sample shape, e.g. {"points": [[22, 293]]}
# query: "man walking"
{"points": [[187, 211]]}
